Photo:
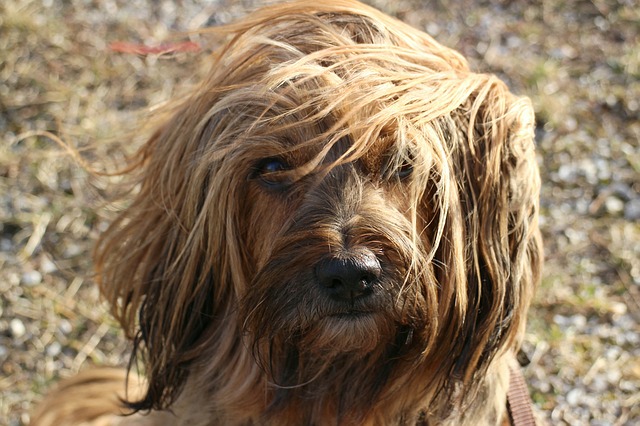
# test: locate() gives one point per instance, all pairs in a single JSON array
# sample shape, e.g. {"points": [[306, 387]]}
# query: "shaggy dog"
{"points": [[337, 227]]}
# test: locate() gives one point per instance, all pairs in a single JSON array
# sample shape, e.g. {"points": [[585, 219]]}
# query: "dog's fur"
{"points": [[327, 137]]}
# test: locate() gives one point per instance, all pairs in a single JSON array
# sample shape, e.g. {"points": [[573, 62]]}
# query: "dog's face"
{"points": [[338, 265], [342, 200]]}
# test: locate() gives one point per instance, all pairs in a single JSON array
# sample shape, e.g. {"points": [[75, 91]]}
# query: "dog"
{"points": [[338, 226]]}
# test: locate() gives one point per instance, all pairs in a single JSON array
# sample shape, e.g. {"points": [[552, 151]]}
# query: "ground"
{"points": [[62, 79]]}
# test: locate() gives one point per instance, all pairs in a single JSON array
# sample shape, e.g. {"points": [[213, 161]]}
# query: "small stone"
{"points": [[599, 384], [574, 396], [54, 349], [72, 250], [589, 171], [622, 190], [561, 320], [17, 328], [614, 205], [47, 266], [618, 308], [3, 351], [612, 353], [13, 279], [632, 210], [614, 376], [628, 386], [566, 172], [31, 278], [624, 321], [632, 338], [544, 387], [620, 339], [578, 321], [65, 327], [6, 244]]}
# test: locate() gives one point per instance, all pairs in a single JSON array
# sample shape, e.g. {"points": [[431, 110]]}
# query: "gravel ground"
{"points": [[578, 60]]}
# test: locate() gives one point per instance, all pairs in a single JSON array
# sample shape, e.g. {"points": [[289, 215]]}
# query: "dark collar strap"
{"points": [[519, 405]]}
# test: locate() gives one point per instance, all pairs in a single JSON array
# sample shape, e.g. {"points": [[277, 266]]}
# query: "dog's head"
{"points": [[340, 200]]}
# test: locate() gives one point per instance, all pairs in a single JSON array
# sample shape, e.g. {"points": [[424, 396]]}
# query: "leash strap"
{"points": [[518, 400]]}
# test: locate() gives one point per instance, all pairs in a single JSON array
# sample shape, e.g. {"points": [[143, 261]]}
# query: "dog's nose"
{"points": [[350, 277]]}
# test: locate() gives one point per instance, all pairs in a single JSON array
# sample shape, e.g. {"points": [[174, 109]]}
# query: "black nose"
{"points": [[346, 278]]}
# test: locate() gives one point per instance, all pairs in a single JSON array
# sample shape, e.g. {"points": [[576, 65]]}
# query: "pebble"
{"points": [[65, 327], [578, 321], [632, 210], [72, 250], [54, 349], [612, 353], [31, 278], [17, 328], [5, 244], [632, 338], [627, 386], [47, 266], [614, 205], [599, 384], [622, 190], [613, 376], [618, 308]]}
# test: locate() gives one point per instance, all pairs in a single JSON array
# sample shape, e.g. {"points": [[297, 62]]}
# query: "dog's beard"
{"points": [[337, 354]]}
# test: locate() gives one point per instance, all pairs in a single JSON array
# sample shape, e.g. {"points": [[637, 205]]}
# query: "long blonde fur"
{"points": [[209, 268]]}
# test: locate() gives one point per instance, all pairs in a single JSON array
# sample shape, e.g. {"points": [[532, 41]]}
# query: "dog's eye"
{"points": [[405, 170], [272, 171], [398, 166], [272, 165], [399, 171]]}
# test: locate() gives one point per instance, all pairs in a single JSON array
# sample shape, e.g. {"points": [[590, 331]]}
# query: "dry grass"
{"points": [[59, 80]]}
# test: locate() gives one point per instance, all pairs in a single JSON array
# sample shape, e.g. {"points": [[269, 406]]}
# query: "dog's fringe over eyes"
{"points": [[325, 129]]}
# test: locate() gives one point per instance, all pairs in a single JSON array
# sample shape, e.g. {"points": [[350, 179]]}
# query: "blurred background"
{"points": [[78, 71]]}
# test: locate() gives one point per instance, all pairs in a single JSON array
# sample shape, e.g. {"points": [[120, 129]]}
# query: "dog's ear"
{"points": [[498, 188], [159, 263]]}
